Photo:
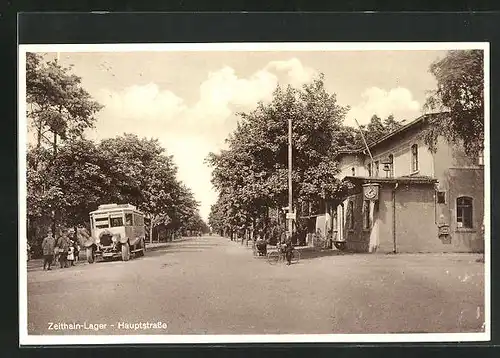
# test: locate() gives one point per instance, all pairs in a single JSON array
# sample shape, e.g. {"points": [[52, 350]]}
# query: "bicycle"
{"points": [[277, 256]]}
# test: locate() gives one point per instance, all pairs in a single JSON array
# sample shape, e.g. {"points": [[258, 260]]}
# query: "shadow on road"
{"points": [[309, 254], [170, 250]]}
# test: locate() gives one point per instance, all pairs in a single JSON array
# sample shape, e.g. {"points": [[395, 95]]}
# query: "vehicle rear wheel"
{"points": [[90, 255], [125, 252], [295, 256]]}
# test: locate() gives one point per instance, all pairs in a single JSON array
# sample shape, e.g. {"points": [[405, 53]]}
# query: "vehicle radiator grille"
{"points": [[106, 240]]}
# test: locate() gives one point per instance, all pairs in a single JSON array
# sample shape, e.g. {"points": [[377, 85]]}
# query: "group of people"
{"points": [[62, 249]]}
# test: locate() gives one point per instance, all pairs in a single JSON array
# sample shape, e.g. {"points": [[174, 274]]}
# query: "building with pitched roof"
{"points": [[403, 197]]}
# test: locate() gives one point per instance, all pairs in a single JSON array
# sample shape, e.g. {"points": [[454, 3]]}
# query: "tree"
{"points": [[390, 124], [251, 175], [80, 179], [141, 173], [125, 169], [375, 130], [56, 101], [459, 93], [57, 106]]}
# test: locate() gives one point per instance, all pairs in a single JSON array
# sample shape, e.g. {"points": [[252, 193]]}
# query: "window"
{"points": [[101, 223], [128, 219], [366, 214], [414, 158], [441, 197], [391, 165], [350, 213], [353, 171], [376, 168], [116, 222], [464, 212]]}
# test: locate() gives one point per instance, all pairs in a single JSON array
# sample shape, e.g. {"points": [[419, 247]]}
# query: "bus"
{"points": [[117, 231]]}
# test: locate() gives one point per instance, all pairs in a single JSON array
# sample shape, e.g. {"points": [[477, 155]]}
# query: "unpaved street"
{"points": [[210, 285]]}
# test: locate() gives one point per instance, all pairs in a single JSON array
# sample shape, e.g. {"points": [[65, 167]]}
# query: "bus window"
{"points": [[128, 219], [101, 223], [115, 222]]}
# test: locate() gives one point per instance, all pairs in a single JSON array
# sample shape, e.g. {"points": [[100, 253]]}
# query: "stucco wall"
{"points": [[400, 148], [459, 175], [417, 210], [323, 223], [465, 182], [349, 161], [385, 213], [416, 229]]}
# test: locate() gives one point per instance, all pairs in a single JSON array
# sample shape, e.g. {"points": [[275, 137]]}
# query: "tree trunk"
{"points": [[54, 145], [151, 232], [54, 226]]}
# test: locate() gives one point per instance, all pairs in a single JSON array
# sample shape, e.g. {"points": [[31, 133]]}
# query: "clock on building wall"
{"points": [[370, 191]]}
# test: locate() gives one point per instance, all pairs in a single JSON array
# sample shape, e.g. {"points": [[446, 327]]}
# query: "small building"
{"points": [[408, 198]]}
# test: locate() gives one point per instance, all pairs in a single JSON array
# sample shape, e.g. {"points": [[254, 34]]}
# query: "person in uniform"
{"points": [[48, 245], [63, 244]]}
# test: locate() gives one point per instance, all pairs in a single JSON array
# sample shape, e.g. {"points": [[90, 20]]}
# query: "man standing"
{"points": [[48, 245], [63, 244], [288, 250]]}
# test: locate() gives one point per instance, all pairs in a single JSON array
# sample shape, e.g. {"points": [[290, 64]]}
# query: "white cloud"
{"points": [[297, 72], [397, 101], [142, 102], [191, 132]]}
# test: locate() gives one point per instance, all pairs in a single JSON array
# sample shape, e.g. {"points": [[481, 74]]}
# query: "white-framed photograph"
{"points": [[254, 192]]}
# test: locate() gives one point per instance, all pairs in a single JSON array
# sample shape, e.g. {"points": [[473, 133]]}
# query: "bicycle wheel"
{"points": [[295, 256], [273, 257]]}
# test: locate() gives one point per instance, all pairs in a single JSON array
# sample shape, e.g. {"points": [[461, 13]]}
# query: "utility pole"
{"points": [[290, 199], [366, 145]]}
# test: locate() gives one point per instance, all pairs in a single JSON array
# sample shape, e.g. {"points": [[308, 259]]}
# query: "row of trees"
{"points": [[68, 176], [251, 175]]}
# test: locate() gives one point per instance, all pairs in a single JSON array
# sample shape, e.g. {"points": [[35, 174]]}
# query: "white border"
{"points": [[487, 204], [26, 339]]}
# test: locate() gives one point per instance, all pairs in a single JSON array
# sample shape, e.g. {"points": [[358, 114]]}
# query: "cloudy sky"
{"points": [[188, 99]]}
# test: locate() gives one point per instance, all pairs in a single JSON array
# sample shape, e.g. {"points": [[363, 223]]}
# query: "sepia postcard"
{"points": [[254, 192]]}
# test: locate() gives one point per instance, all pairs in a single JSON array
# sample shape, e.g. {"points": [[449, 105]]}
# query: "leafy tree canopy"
{"points": [[56, 101], [460, 93]]}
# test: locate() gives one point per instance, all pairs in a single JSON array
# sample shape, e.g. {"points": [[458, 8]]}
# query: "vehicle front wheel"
{"points": [[90, 254], [125, 252]]}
